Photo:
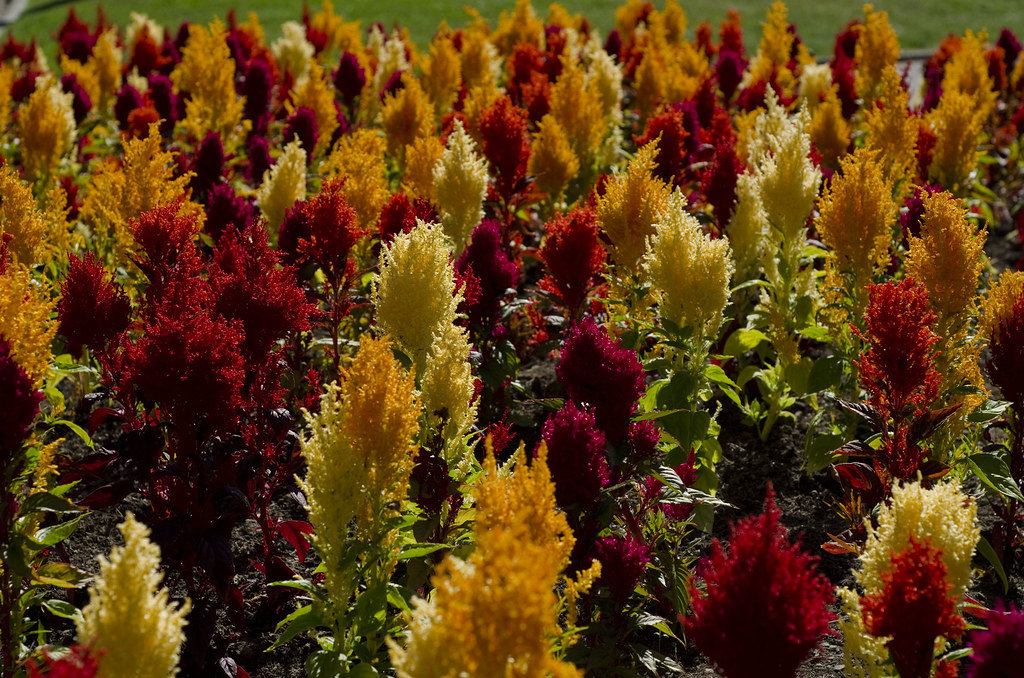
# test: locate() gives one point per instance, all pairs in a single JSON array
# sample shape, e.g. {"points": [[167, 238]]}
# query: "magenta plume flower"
{"points": [[623, 561], [998, 650], [576, 456], [494, 270], [21, 402], [763, 595], [595, 370], [93, 311]]}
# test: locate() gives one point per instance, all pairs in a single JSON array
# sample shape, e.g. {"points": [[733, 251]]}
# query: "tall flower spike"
{"points": [[207, 73], [93, 310], [129, 617], [447, 387], [47, 128], [957, 124], [877, 49], [631, 204], [552, 161], [25, 322], [573, 255], [20, 217], [283, 185], [406, 116], [460, 185], [689, 272], [359, 157], [21, 403], [892, 131], [763, 594], [999, 649], [359, 456], [414, 291]]}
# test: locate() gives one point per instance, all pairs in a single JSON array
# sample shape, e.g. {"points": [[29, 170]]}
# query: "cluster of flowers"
{"points": [[336, 267]]}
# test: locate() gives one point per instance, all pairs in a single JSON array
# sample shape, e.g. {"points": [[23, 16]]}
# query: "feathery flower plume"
{"points": [[414, 291], [283, 185], [21, 403], [579, 110], [25, 322], [999, 649], [892, 130], [359, 157], [629, 207], [46, 125], [877, 50], [317, 95], [967, 71], [460, 185], [447, 387], [20, 218], [552, 161], [359, 457], [442, 73], [349, 78], [573, 255], [830, 133], [494, 270], [689, 272], [764, 593], [207, 73], [93, 310], [1006, 364], [129, 617], [506, 144], [576, 456], [957, 124], [293, 51], [623, 561]]}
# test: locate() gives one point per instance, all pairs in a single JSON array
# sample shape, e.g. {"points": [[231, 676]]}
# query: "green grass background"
{"points": [[919, 23]]}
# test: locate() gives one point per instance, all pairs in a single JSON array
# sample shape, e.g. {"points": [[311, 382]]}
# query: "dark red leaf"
{"points": [[294, 532], [107, 495]]}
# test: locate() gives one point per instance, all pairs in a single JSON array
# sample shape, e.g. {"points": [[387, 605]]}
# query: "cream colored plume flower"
{"points": [[447, 386], [129, 618], [748, 226], [283, 185], [414, 291], [460, 185], [293, 51], [688, 271]]}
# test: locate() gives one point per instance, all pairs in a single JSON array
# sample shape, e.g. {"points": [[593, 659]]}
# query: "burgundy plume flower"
{"points": [[910, 219], [1006, 365], [164, 233], [226, 209], [672, 153], [259, 159], [763, 595], [718, 179], [844, 75], [506, 144], [81, 103], [208, 164], [333, 230], [576, 456], [20, 399], [998, 650], [147, 54], [250, 287], [914, 608], [128, 99], [596, 371], [349, 78], [1011, 48], [257, 88], [74, 37], [729, 68], [301, 125], [898, 369], [492, 267], [623, 561], [165, 101], [643, 440], [399, 216], [573, 255], [93, 310]]}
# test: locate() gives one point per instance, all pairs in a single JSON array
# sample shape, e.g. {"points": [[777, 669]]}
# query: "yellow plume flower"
{"points": [[522, 26], [748, 227], [317, 94], [414, 291], [447, 387], [688, 271], [957, 124], [359, 456], [406, 116], [20, 217], [949, 256], [6, 82], [579, 110], [283, 185], [855, 217], [830, 132], [667, 72], [552, 162], [815, 83], [47, 128], [145, 180], [25, 322], [359, 157], [877, 49], [773, 51], [129, 617], [460, 186], [627, 16], [892, 131], [479, 99], [339, 33], [997, 307], [480, 62], [207, 73], [105, 62], [967, 72], [421, 157], [442, 73], [674, 19], [523, 543], [606, 75], [631, 204], [293, 51]]}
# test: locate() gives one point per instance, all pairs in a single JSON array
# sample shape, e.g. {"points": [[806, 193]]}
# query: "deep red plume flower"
{"points": [[79, 662], [20, 402], [301, 125], [898, 369], [259, 159], [672, 153], [74, 37], [257, 88], [576, 456], [399, 216], [506, 144], [763, 595], [596, 371], [208, 165], [333, 230], [718, 179], [128, 99], [573, 255], [225, 210], [81, 104], [1006, 366], [164, 233], [349, 78], [494, 270], [93, 310], [147, 54], [623, 561], [999, 649], [165, 101], [914, 608]]}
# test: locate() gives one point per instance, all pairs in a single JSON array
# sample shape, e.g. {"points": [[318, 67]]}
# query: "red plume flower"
{"points": [[763, 595], [20, 402], [914, 608], [573, 254], [93, 311], [79, 662], [623, 561], [506, 144], [493, 269], [576, 456], [672, 152]]}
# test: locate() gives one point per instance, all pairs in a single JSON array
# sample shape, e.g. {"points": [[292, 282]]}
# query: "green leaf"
{"points": [[63, 608], [814, 333], [987, 411], [76, 429], [54, 534], [62, 575], [798, 376], [825, 374], [985, 549], [400, 597], [324, 664], [420, 550], [992, 470], [45, 501], [303, 619], [686, 427], [301, 584], [717, 375], [743, 340], [818, 454]]}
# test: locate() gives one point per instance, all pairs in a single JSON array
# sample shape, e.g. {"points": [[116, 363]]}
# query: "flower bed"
{"points": [[451, 362]]}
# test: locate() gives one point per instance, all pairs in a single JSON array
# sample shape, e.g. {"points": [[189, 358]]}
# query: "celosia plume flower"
{"points": [[1006, 364], [78, 662], [576, 456], [573, 255], [283, 185], [999, 649], [129, 617], [492, 267], [913, 608], [21, 403], [596, 371], [94, 311], [333, 230], [667, 128], [460, 185], [623, 562], [765, 595], [506, 144]]}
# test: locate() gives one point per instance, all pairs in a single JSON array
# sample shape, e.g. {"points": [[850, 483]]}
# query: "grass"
{"points": [[919, 23]]}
